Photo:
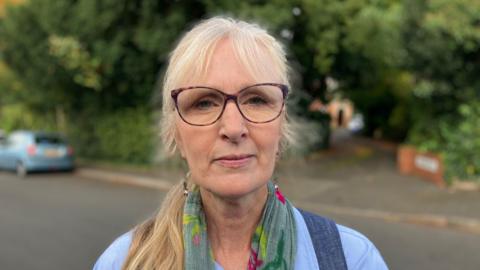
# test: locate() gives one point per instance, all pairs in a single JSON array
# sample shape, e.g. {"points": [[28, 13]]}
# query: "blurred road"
{"points": [[60, 221], [57, 221], [413, 247]]}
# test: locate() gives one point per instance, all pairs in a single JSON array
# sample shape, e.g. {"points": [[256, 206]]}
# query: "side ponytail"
{"points": [[158, 242]]}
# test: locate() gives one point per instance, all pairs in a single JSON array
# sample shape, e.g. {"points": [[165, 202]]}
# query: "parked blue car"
{"points": [[28, 151]]}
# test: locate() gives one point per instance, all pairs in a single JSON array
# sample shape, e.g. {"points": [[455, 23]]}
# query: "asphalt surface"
{"points": [[62, 221], [58, 221], [407, 246], [359, 173]]}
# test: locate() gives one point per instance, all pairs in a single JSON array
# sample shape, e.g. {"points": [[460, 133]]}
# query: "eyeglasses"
{"points": [[203, 106]]}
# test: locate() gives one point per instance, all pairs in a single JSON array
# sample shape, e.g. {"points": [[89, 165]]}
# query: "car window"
{"points": [[48, 139], [16, 139]]}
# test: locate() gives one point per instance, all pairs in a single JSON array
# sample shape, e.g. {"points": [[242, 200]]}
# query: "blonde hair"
{"points": [[158, 242]]}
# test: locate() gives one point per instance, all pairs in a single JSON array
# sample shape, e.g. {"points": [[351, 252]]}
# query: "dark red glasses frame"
{"points": [[227, 97]]}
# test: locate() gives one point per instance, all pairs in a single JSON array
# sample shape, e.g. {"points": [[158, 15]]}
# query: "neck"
{"points": [[231, 224]]}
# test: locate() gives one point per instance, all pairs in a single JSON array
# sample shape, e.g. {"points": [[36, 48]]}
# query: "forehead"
{"points": [[231, 69]]}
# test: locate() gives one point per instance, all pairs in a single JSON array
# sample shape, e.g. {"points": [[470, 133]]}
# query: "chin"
{"points": [[235, 187]]}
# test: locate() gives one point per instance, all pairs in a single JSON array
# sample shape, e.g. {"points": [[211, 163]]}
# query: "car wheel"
{"points": [[21, 170]]}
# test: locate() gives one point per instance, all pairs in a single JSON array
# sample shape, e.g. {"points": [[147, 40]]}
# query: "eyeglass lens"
{"points": [[203, 106]]}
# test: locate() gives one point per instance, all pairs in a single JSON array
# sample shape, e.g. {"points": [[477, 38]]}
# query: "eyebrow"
{"points": [[238, 89]]}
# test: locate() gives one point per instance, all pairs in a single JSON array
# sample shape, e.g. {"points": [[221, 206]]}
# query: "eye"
{"points": [[255, 100], [205, 104]]}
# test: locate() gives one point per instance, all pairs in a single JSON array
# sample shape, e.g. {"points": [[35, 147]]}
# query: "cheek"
{"points": [[194, 144], [269, 142]]}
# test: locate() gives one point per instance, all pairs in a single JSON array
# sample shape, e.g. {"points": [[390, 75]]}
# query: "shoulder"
{"points": [[359, 251], [114, 256]]}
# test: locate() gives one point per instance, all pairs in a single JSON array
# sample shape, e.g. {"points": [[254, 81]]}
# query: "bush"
{"points": [[124, 136], [456, 138], [462, 149], [18, 116]]}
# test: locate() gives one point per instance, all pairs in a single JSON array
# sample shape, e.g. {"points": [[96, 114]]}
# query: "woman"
{"points": [[224, 111]]}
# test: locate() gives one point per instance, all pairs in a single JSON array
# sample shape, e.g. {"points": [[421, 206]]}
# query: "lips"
{"points": [[234, 161]]}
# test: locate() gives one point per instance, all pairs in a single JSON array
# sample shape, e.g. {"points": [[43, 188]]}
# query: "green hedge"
{"points": [[456, 138], [18, 116], [123, 136]]}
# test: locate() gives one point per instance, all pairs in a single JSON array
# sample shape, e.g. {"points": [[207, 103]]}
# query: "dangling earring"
{"points": [[185, 185], [275, 178], [275, 182], [278, 194]]}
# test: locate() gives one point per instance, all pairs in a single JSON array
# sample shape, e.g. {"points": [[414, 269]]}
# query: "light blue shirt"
{"points": [[359, 252]]}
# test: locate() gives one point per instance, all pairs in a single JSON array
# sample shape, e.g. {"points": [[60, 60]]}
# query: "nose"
{"points": [[232, 124]]}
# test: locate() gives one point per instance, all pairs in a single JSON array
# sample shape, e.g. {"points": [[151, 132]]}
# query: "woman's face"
{"points": [[232, 157]]}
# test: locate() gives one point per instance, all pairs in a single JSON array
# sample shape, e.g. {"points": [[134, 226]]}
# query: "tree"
{"points": [[100, 54], [443, 43], [83, 60]]}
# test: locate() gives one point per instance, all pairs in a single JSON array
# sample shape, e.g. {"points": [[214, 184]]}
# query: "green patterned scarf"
{"points": [[273, 244]]}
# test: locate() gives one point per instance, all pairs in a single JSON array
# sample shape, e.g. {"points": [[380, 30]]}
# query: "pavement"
{"points": [[355, 177]]}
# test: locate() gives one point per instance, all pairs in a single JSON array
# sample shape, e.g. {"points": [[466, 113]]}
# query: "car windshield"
{"points": [[48, 139]]}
